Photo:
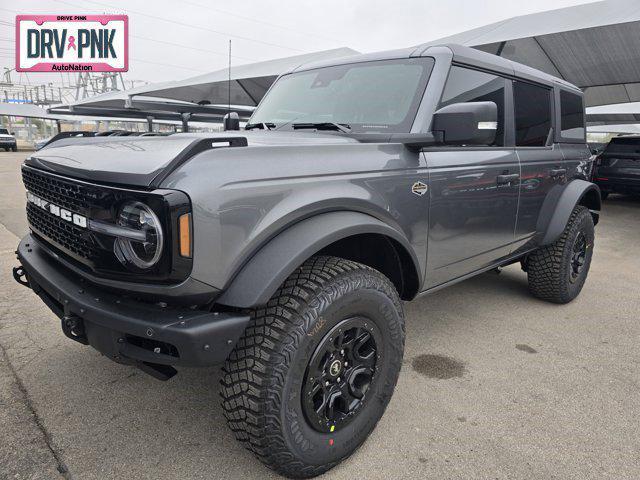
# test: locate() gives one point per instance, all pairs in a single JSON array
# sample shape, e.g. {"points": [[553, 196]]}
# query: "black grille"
{"points": [[68, 194], [64, 193], [65, 234]]}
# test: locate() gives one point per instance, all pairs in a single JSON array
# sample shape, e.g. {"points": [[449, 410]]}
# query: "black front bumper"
{"points": [[127, 330]]}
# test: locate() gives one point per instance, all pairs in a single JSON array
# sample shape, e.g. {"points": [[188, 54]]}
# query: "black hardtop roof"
{"points": [[461, 54]]}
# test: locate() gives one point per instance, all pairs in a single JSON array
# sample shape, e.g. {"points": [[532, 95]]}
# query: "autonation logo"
{"points": [[58, 43]]}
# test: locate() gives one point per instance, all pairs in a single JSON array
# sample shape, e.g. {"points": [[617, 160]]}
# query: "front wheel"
{"points": [[315, 369], [557, 272]]}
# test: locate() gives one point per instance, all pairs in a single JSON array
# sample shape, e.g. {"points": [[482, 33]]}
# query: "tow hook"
{"points": [[20, 276], [73, 327]]}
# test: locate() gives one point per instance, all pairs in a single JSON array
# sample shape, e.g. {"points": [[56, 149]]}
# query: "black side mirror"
{"points": [[231, 121], [12, 133], [471, 123]]}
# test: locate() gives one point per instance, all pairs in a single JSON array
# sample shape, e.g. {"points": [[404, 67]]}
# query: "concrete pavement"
{"points": [[495, 384]]}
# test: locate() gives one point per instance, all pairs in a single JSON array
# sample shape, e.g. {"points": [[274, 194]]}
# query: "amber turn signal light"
{"points": [[184, 224]]}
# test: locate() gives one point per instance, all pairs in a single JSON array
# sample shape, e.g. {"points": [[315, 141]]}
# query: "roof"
{"points": [[461, 53]]}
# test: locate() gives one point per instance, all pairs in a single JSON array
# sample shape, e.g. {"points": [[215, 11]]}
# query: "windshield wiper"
{"points": [[261, 126], [341, 127]]}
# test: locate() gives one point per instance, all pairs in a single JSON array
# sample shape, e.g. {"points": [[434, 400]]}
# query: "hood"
{"points": [[137, 161], [4, 135]]}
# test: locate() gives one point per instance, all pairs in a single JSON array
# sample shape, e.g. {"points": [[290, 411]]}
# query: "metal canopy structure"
{"points": [[619, 114], [199, 99], [142, 108], [249, 82], [595, 46]]}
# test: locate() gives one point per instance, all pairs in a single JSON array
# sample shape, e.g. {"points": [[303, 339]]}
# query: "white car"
{"points": [[7, 140]]}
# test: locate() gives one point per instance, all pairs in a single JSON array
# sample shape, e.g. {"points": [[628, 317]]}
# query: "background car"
{"points": [[7, 140], [617, 168]]}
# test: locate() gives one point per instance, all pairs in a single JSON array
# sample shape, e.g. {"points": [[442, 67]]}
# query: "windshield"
{"points": [[380, 96], [4, 131]]}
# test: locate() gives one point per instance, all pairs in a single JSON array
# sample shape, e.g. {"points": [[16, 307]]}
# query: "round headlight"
{"points": [[142, 254]]}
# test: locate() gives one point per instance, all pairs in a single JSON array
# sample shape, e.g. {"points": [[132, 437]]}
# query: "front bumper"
{"points": [[127, 330]]}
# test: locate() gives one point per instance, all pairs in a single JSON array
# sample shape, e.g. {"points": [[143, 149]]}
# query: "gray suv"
{"points": [[284, 251]]}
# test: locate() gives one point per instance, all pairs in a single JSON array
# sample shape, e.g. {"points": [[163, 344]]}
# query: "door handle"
{"points": [[507, 178], [557, 172]]}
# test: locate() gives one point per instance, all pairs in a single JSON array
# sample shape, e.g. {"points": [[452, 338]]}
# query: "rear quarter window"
{"points": [[571, 117]]}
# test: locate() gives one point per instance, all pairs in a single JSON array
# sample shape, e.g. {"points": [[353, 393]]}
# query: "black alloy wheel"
{"points": [[340, 372], [578, 256]]}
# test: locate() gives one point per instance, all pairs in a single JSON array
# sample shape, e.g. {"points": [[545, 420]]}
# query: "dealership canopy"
{"points": [[595, 46], [203, 98], [249, 82]]}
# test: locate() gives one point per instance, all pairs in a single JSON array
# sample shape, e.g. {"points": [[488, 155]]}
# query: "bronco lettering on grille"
{"points": [[60, 212]]}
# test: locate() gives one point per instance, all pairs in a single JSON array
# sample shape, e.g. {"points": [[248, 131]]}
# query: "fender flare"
{"points": [[559, 204], [263, 274]]}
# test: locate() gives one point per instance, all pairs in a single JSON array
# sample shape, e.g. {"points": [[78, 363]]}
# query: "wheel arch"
{"points": [[560, 203], [347, 234]]}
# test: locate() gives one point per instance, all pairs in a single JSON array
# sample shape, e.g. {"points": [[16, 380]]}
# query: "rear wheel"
{"points": [[557, 272], [316, 368]]}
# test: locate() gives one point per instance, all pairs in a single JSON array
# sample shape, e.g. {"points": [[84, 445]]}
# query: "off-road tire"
{"points": [[549, 268], [262, 380]]}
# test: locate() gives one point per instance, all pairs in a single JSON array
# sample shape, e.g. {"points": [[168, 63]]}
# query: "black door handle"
{"points": [[557, 172], [506, 179]]}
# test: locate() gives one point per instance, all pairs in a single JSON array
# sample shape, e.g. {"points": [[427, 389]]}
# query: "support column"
{"points": [[150, 123], [185, 121]]}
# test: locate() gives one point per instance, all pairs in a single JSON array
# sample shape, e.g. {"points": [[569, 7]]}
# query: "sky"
{"points": [[176, 39]]}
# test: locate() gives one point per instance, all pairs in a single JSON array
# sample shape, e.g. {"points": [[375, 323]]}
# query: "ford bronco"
{"points": [[284, 251]]}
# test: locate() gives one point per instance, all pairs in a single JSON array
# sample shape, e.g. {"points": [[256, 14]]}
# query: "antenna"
{"points": [[229, 81]]}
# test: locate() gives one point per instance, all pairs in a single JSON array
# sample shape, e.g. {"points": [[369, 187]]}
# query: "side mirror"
{"points": [[471, 123], [231, 121], [12, 134]]}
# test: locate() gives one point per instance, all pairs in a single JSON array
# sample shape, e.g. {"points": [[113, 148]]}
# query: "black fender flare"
{"points": [[260, 277], [559, 204]]}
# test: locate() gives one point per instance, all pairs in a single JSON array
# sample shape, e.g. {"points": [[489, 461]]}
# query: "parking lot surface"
{"points": [[495, 384]]}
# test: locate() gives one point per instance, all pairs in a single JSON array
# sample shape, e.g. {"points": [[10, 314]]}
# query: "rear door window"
{"points": [[571, 116], [532, 114]]}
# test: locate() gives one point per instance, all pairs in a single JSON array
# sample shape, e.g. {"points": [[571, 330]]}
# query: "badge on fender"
{"points": [[419, 188]]}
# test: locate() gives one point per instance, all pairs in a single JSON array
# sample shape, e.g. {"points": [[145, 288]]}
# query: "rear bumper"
{"points": [[124, 329]]}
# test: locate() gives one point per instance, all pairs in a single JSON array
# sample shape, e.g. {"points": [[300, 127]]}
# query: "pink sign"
{"points": [[72, 43]]}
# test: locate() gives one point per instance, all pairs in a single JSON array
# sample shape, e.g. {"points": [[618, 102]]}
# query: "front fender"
{"points": [[261, 276], [559, 204]]}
